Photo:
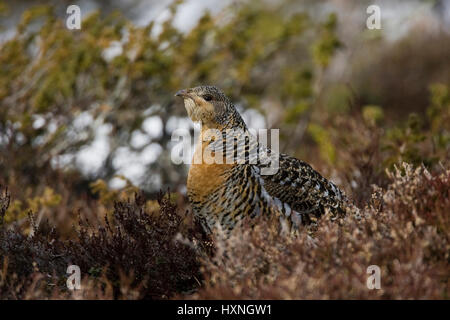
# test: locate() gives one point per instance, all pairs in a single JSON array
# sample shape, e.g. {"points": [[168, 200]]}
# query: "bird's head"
{"points": [[210, 106]]}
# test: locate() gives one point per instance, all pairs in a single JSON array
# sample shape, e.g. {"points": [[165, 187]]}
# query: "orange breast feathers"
{"points": [[204, 178]]}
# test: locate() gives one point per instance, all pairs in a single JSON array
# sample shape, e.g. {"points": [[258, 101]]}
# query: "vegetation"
{"points": [[381, 133]]}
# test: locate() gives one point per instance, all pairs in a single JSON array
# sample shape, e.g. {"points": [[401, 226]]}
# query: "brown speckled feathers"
{"points": [[224, 193]]}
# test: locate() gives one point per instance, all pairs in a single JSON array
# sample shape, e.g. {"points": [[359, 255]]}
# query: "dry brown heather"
{"points": [[404, 229]]}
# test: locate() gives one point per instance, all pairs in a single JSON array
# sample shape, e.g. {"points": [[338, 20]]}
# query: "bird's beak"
{"points": [[183, 94]]}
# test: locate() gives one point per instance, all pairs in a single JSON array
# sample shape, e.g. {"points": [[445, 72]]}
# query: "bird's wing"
{"points": [[297, 184]]}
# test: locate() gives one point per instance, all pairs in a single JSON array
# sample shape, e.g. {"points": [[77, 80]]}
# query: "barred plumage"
{"points": [[227, 192]]}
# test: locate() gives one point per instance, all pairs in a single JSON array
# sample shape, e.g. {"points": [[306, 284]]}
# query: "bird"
{"points": [[225, 191]]}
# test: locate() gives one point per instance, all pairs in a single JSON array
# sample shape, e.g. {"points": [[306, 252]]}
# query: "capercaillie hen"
{"points": [[225, 191]]}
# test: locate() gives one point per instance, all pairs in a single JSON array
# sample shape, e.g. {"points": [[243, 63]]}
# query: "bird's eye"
{"points": [[207, 97]]}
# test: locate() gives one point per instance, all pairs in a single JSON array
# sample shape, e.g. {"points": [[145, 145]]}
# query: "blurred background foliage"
{"points": [[86, 112]]}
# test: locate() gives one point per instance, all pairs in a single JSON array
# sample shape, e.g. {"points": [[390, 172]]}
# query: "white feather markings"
{"points": [[288, 209]]}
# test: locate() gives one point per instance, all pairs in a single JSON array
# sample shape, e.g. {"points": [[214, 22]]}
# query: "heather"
{"points": [[403, 229]]}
